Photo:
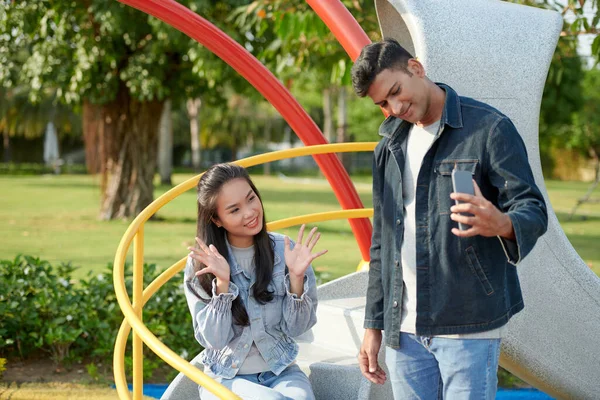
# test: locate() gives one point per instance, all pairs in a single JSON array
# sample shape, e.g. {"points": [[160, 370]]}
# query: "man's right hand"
{"points": [[367, 358]]}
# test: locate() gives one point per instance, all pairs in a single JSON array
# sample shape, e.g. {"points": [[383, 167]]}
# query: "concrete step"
{"points": [[339, 325]]}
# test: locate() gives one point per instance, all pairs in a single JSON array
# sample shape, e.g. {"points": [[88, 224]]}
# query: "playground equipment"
{"points": [[493, 51]]}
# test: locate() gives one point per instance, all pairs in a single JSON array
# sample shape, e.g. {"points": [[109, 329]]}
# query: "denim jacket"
{"points": [[272, 325], [464, 285]]}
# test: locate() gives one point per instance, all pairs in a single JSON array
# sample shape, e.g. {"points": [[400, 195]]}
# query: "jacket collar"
{"points": [[451, 115]]}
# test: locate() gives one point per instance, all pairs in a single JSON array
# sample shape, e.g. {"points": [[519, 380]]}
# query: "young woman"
{"points": [[249, 291]]}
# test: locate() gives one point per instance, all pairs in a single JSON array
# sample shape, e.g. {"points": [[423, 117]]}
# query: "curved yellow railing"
{"points": [[132, 310]]}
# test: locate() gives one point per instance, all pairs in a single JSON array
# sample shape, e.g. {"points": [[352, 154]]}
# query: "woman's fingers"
{"points": [[319, 254], [310, 237], [315, 240], [300, 234], [214, 250], [202, 245], [203, 271], [197, 254]]}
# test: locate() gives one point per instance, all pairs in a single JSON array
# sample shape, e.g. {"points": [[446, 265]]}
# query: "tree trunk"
{"points": [[126, 136], [327, 115], [341, 124], [165, 145], [193, 106], [234, 145], [7, 155], [595, 154], [93, 129]]}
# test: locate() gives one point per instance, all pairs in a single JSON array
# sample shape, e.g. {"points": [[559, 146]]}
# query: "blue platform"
{"points": [[156, 390]]}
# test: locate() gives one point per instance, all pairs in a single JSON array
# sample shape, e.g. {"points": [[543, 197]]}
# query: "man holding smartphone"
{"points": [[441, 294]]}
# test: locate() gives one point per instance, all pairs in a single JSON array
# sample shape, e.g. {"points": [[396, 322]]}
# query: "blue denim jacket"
{"points": [[272, 325], [464, 285]]}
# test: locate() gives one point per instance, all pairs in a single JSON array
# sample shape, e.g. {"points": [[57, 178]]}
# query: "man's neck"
{"points": [[436, 106]]}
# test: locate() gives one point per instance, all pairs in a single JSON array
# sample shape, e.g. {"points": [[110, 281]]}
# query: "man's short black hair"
{"points": [[374, 58]]}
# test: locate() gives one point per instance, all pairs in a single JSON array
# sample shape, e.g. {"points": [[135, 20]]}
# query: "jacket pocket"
{"points": [[272, 311], [478, 271], [277, 284], [443, 172]]}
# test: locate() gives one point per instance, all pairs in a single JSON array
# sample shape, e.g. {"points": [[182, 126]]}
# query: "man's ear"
{"points": [[416, 68]]}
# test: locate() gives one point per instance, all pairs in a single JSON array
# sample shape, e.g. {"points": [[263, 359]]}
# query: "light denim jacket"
{"points": [[272, 325]]}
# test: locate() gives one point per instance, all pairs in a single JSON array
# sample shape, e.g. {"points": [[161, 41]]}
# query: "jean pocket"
{"points": [[478, 271], [443, 171]]}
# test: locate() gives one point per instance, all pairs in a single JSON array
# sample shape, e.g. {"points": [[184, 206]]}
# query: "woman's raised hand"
{"points": [[298, 259], [215, 263]]}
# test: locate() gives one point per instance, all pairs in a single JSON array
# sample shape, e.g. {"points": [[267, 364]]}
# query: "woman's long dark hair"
{"points": [[209, 187]]}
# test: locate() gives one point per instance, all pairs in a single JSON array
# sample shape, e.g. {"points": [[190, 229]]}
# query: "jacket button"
{"points": [[246, 346], [398, 222], [396, 262], [395, 304]]}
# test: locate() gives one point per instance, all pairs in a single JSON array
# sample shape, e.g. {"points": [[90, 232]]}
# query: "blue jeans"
{"points": [[291, 384], [427, 368]]}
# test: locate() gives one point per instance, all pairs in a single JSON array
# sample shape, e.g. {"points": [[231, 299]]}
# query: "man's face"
{"points": [[400, 94]]}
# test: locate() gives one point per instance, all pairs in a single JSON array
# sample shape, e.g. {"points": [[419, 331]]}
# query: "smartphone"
{"points": [[462, 182]]}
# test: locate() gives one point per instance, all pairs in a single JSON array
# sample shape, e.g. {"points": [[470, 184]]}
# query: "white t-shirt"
{"points": [[419, 141]]}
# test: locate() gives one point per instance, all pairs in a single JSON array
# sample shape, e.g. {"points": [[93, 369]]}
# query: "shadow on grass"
{"points": [[159, 219], [563, 217], [62, 185]]}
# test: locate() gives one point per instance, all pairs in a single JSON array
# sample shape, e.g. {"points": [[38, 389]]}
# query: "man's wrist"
{"points": [[508, 231]]}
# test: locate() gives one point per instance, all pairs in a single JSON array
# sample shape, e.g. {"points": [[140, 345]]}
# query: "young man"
{"points": [[442, 295]]}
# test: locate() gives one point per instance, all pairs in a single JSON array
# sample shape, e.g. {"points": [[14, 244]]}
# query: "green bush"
{"points": [[2, 366], [44, 309], [39, 306], [39, 169]]}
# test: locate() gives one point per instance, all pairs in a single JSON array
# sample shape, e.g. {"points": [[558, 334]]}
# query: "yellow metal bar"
{"points": [[138, 299], [119, 361], [317, 217], [152, 341]]}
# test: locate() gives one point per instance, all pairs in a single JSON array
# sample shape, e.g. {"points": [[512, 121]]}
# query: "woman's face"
{"points": [[240, 212]]}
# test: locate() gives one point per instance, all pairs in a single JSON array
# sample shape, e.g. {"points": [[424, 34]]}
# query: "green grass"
{"points": [[56, 391], [55, 218]]}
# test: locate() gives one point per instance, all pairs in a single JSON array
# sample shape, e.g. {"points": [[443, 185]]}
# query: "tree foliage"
{"points": [[120, 65]]}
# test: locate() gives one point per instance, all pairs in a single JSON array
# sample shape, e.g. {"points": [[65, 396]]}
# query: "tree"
{"points": [[583, 134], [20, 118], [193, 106], [165, 144], [120, 65], [582, 17], [290, 38]]}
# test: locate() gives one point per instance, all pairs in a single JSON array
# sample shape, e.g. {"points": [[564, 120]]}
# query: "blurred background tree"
{"points": [[120, 66]]}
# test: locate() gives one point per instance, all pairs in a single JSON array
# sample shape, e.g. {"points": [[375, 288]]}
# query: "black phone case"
{"points": [[462, 182]]}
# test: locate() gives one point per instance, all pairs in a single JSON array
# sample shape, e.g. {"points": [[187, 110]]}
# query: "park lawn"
{"points": [[57, 391], [55, 218]]}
